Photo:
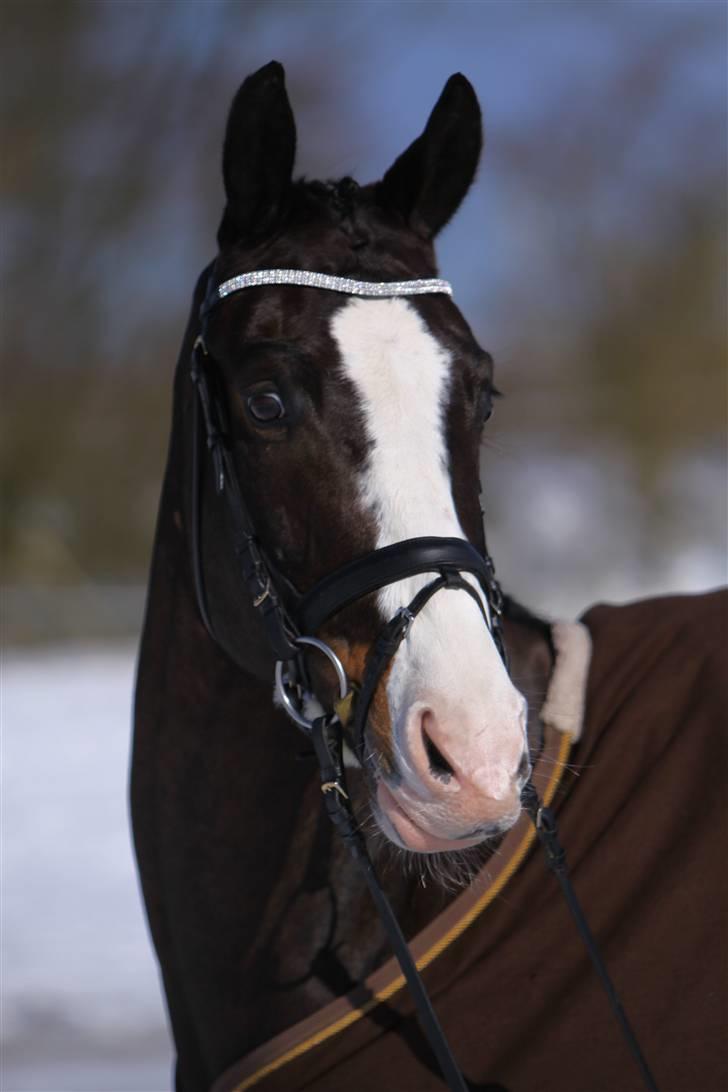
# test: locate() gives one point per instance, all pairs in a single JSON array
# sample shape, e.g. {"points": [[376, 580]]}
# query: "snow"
{"points": [[81, 1001]]}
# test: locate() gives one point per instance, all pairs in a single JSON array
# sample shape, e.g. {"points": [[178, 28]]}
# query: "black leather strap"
{"points": [[255, 571], [196, 519], [386, 645], [385, 566], [544, 821], [326, 736]]}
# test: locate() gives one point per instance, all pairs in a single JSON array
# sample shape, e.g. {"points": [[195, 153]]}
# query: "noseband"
{"points": [[290, 621]]}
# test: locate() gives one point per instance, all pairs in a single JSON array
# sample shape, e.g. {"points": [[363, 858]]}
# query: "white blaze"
{"points": [[449, 660]]}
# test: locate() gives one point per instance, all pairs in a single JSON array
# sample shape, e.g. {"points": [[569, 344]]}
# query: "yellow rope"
{"points": [[432, 953]]}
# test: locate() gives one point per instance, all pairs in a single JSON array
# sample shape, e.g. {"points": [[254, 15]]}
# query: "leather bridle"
{"points": [[291, 620]]}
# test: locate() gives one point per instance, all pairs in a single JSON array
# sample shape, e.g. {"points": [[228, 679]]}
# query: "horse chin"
{"points": [[406, 833]]}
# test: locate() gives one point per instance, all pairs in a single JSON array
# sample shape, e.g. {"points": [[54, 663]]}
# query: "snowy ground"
{"points": [[81, 1003]]}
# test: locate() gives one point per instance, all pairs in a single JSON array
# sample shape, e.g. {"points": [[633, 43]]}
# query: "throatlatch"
{"points": [[287, 618]]}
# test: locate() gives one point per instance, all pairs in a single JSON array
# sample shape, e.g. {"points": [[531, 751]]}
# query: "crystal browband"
{"points": [[307, 279]]}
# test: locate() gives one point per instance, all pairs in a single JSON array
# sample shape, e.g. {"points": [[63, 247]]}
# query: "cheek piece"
{"points": [[289, 619]]}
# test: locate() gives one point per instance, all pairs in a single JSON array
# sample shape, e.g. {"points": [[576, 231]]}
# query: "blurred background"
{"points": [[590, 259]]}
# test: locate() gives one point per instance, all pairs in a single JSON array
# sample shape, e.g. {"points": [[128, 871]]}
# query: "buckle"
{"points": [[197, 346], [407, 619], [260, 599]]}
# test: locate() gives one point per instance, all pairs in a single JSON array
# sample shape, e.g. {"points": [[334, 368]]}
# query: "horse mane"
{"points": [[514, 611]]}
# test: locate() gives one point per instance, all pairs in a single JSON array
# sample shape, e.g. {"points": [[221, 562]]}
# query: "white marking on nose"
{"points": [[402, 376]]}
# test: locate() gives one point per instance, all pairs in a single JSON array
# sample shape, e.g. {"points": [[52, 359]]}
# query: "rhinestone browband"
{"points": [[305, 278]]}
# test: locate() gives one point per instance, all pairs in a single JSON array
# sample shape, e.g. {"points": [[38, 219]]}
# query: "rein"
{"points": [[289, 618]]}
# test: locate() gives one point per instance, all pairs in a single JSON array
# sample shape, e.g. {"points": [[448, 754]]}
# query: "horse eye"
{"points": [[487, 398], [266, 406], [486, 407]]}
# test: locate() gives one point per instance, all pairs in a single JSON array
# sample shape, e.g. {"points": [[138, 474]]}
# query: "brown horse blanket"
{"points": [[641, 808]]}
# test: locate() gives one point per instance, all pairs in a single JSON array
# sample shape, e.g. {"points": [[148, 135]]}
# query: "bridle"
{"points": [[291, 620]]}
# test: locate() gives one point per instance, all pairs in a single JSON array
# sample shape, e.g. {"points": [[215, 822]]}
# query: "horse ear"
{"points": [[257, 160], [428, 181]]}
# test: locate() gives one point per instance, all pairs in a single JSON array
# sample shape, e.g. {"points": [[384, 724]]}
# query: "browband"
{"points": [[307, 279]]}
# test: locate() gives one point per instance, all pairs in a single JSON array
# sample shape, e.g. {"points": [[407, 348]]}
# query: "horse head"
{"points": [[355, 424]]}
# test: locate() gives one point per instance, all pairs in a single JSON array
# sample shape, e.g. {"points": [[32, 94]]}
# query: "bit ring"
{"points": [[283, 685]]}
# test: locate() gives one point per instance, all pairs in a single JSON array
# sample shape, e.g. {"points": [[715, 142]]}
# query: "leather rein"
{"points": [[290, 621]]}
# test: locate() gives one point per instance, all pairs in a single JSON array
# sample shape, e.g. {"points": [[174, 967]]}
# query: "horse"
{"points": [[329, 403]]}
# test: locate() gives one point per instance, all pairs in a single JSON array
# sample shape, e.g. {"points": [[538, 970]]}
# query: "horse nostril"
{"points": [[439, 765]]}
